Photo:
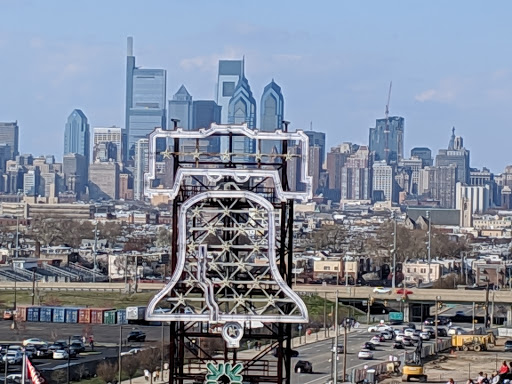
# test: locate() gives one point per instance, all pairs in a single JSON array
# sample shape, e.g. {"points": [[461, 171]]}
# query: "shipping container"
{"points": [[109, 317], [21, 313], [136, 315], [33, 314], [84, 315], [72, 315], [59, 315], [97, 315], [45, 314], [121, 316]]}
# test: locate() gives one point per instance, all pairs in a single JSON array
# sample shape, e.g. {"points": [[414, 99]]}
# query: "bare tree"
{"points": [[150, 360], [130, 365], [59, 376], [163, 237], [110, 232], [107, 371]]}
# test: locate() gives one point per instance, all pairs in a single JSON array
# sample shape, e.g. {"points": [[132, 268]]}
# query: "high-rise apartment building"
{"points": [[383, 182], [180, 107], [477, 195], [455, 154], [76, 135], [108, 144], [438, 183], [355, 176], [413, 167], [271, 115], [423, 153], [9, 134], [387, 139], [230, 73], [336, 159], [314, 171], [145, 101], [31, 182]]}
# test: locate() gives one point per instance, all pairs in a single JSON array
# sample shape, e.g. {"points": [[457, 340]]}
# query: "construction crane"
{"points": [[386, 130]]}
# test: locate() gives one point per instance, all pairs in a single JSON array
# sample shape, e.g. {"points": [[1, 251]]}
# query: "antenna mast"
{"points": [[386, 130]]}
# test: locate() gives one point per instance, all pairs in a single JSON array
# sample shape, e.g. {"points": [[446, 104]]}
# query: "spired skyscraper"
{"points": [[145, 101], [76, 135], [242, 109], [180, 107], [271, 114]]}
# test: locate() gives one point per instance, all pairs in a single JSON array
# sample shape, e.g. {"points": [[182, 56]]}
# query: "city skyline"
{"points": [[441, 78]]}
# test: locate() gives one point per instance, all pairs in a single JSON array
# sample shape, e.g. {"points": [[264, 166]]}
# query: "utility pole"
{"points": [[393, 277], [368, 306], [325, 314], [120, 347], [435, 320], [95, 251], [473, 318], [428, 247], [336, 341]]}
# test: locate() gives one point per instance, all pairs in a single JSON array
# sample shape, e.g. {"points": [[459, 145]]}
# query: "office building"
{"points": [[141, 167], [242, 109], [180, 107], [317, 139], [204, 113], [412, 167], [271, 115], [74, 168], [313, 169], [423, 153], [125, 186], [9, 134], [76, 135], [387, 139], [104, 181], [294, 168], [383, 182], [108, 144], [5, 155], [145, 101], [230, 73], [336, 159], [31, 182], [355, 176], [455, 154]]}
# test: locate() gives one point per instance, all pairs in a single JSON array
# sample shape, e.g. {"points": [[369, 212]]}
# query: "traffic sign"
{"points": [[215, 372]]}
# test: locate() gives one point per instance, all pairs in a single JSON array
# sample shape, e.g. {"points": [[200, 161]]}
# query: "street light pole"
{"points": [[95, 251], [120, 347], [428, 247], [435, 320], [393, 277], [335, 370]]}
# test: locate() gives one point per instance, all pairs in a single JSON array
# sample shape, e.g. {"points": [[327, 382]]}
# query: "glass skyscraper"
{"points": [[145, 101], [180, 107], [271, 114], [242, 109], [390, 148], [76, 135], [230, 72]]}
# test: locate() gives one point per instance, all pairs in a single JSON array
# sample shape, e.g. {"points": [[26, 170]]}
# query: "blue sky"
{"points": [[450, 64]]}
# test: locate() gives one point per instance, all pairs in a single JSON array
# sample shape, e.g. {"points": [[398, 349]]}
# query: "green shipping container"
{"points": [[109, 317]]}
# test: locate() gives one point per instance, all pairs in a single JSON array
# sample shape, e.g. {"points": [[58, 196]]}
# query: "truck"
{"points": [[475, 343], [136, 315], [396, 318]]}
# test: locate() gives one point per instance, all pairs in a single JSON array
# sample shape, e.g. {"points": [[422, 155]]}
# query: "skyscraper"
{"points": [[388, 146], [423, 153], [206, 112], [242, 109], [180, 107], [76, 135], [439, 183], [317, 138], [145, 101], [355, 176], [9, 134], [230, 72], [383, 184], [455, 154], [271, 114], [141, 166], [74, 167]]}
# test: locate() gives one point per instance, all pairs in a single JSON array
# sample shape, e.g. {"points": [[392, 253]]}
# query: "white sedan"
{"points": [[379, 328], [381, 290], [425, 335], [365, 354], [408, 332], [34, 341], [375, 340], [60, 354]]}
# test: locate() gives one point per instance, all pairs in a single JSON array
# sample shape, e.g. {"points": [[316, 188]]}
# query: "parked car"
{"points": [[387, 335], [375, 340], [443, 320], [408, 332], [365, 354], [398, 345], [430, 321], [30, 351], [59, 344], [13, 357], [8, 314], [456, 331], [381, 290], [508, 346], [407, 341], [60, 354], [368, 345], [14, 378], [400, 336], [137, 336], [43, 352], [77, 345], [442, 332], [34, 341], [303, 366], [425, 335]]}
